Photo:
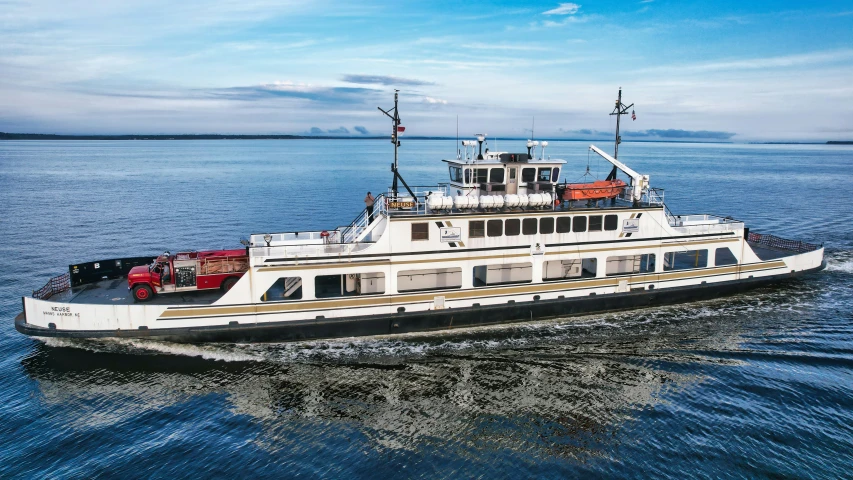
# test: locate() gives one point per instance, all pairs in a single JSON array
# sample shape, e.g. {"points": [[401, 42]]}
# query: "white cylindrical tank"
{"points": [[523, 201], [499, 201], [435, 201], [446, 203], [461, 202], [511, 200], [547, 199], [473, 201], [486, 201], [534, 200]]}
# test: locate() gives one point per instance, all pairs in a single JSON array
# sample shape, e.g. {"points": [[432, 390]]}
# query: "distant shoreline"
{"points": [[47, 136]]}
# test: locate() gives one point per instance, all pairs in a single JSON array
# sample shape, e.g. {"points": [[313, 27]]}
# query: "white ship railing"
{"points": [[652, 197], [704, 223], [259, 254]]}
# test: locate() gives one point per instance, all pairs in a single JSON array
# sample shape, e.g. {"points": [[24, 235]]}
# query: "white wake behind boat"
{"points": [[501, 241]]}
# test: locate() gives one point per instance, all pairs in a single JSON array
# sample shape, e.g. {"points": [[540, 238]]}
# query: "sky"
{"points": [[727, 70]]}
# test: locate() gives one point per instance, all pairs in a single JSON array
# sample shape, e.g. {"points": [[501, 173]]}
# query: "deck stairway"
{"points": [[361, 226]]}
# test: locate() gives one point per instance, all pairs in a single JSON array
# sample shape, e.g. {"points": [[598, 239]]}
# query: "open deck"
{"points": [[115, 292]]}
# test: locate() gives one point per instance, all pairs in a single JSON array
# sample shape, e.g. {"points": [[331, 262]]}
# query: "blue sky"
{"points": [[737, 71]]}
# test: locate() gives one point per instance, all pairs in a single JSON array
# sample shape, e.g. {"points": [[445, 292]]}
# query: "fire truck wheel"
{"points": [[142, 293], [228, 283]]}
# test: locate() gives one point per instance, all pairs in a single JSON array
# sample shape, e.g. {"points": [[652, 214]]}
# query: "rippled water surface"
{"points": [[755, 385]]}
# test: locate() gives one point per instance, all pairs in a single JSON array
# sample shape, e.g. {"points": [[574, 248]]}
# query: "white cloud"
{"points": [[435, 101], [564, 9]]}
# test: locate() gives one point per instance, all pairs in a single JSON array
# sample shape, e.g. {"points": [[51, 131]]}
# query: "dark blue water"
{"points": [[755, 385]]}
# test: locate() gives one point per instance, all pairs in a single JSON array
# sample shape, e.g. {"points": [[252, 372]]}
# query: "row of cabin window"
{"points": [[544, 225], [344, 285], [496, 175]]}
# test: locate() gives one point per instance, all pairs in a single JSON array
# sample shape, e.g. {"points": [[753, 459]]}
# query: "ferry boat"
{"points": [[502, 240]]}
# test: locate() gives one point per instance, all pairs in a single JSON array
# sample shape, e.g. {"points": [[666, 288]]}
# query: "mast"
{"points": [[619, 110], [395, 128]]}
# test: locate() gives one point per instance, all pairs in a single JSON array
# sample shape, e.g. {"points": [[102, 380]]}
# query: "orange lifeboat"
{"points": [[597, 190]]}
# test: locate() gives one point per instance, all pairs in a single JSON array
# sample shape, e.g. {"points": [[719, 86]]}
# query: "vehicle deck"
{"points": [[766, 253], [115, 292]]}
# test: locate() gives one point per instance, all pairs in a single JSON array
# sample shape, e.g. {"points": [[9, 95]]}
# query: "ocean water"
{"points": [[756, 385]]}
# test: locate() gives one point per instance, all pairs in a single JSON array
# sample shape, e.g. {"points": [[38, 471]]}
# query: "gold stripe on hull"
{"points": [[461, 294]]}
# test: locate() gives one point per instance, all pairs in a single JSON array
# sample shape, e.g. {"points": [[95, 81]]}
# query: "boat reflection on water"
{"points": [[548, 389]]}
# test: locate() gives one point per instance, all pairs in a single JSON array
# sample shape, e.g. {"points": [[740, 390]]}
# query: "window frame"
{"points": [[529, 221], [516, 229], [589, 223], [498, 223], [615, 225], [416, 238], [476, 229], [561, 227], [542, 222], [579, 223], [525, 177]]}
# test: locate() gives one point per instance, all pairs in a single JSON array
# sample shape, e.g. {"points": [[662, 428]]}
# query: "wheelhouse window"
{"points": [[285, 288], [595, 223], [546, 225], [476, 229], [481, 175], [528, 226], [496, 175], [544, 174], [455, 174], [420, 231], [512, 227], [528, 174], [494, 228], [564, 224], [467, 175], [611, 222], [579, 224], [555, 174]]}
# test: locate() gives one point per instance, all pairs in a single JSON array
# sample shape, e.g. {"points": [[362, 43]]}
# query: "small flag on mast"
{"points": [[401, 129], [633, 115]]}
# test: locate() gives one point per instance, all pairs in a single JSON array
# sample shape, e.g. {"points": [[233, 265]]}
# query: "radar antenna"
{"points": [[395, 129]]}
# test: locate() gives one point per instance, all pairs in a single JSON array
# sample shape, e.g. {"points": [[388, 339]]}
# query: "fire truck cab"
{"points": [[187, 271]]}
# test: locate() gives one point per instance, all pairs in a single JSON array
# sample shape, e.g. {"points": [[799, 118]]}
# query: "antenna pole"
{"points": [[395, 122], [619, 110]]}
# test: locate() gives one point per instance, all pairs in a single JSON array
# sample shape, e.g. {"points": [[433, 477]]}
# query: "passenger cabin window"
{"points": [[595, 223], [579, 224], [564, 224], [544, 174], [628, 264], [494, 228], [724, 256], [476, 229], [685, 260], [512, 227], [546, 225], [455, 174], [346, 285], [528, 226], [611, 222], [429, 279], [420, 231], [569, 269], [528, 174], [496, 175], [285, 288], [503, 274]]}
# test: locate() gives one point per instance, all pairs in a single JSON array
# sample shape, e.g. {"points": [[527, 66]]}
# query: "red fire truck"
{"points": [[188, 271]]}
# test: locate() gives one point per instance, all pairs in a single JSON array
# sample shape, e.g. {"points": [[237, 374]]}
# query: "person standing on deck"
{"points": [[368, 200]]}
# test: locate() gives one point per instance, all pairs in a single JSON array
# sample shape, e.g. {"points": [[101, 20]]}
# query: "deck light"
{"points": [[267, 238]]}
